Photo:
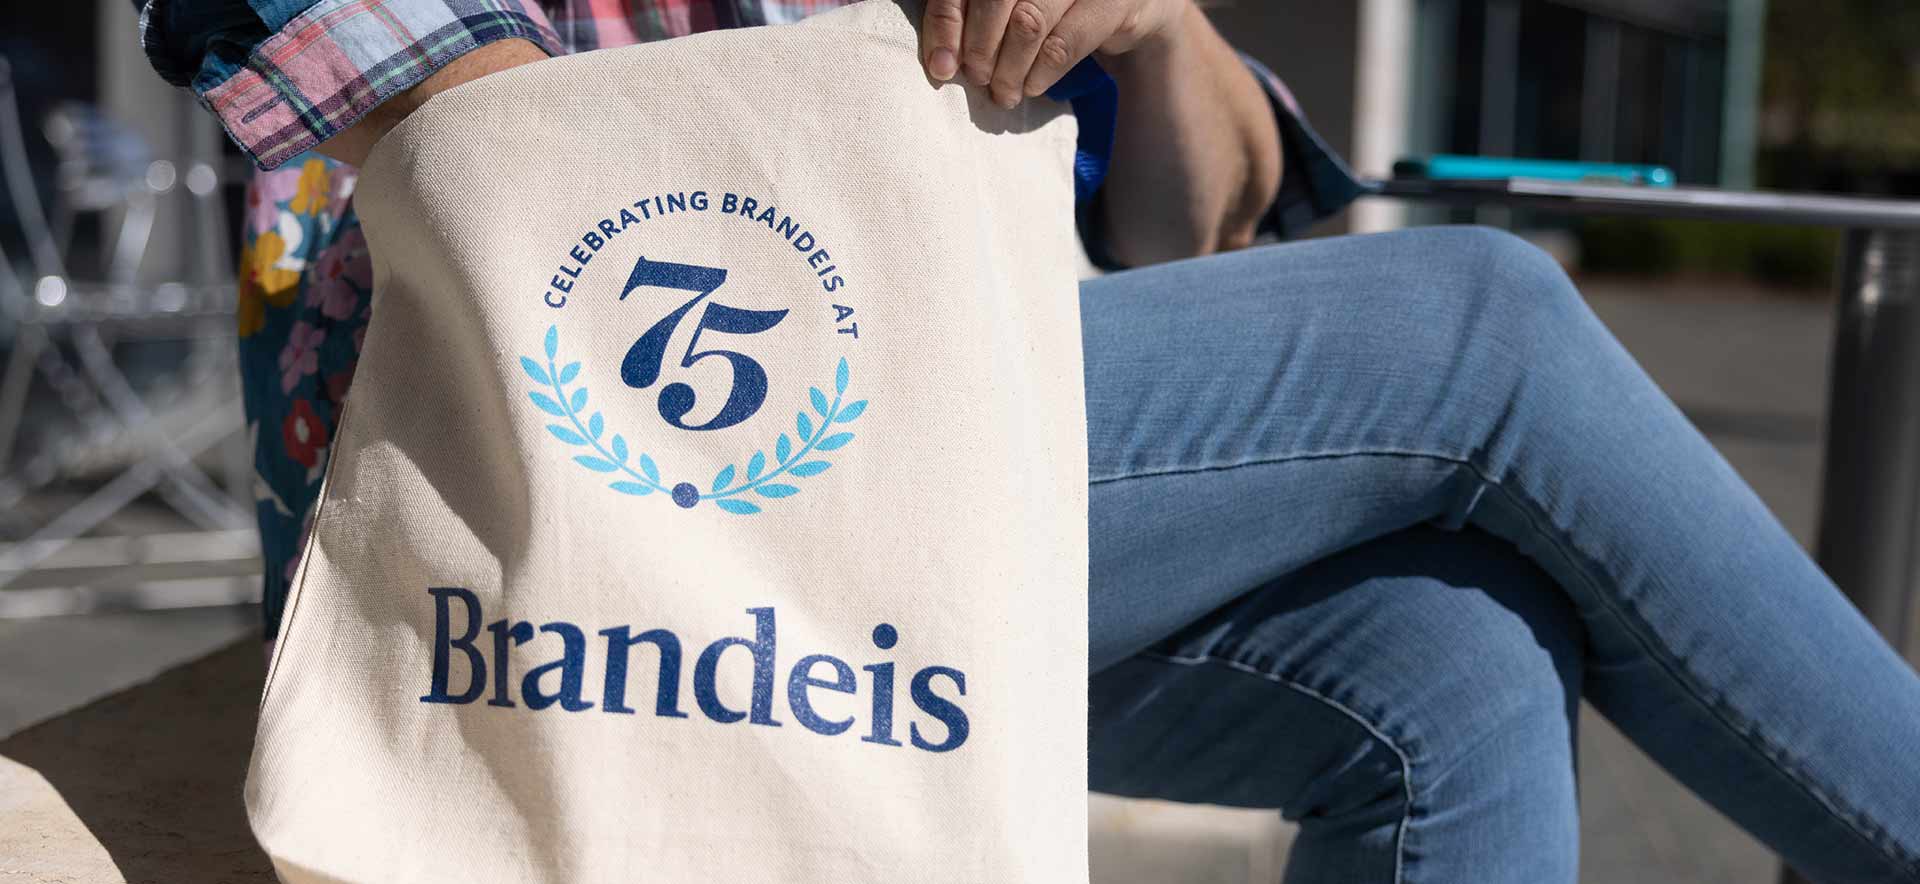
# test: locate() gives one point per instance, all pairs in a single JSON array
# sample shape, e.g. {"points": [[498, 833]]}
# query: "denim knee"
{"points": [[1494, 701], [1476, 687], [1488, 680], [1443, 659], [1517, 296]]}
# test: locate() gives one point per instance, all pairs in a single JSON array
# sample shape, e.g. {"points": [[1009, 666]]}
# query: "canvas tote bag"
{"points": [[710, 504]]}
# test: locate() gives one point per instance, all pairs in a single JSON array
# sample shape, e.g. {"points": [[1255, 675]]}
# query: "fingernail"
{"points": [[943, 65], [1006, 99]]}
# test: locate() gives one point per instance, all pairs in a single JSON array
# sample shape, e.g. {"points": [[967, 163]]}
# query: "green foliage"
{"points": [[1843, 80]]}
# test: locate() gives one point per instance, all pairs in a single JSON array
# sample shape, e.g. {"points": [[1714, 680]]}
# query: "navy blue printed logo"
{"points": [[460, 654], [697, 306], [702, 336]]}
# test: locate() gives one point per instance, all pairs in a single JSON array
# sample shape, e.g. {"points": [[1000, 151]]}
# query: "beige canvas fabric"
{"points": [[711, 500]]}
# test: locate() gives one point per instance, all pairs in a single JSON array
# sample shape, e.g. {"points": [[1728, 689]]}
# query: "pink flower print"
{"points": [[359, 260], [341, 271], [301, 357], [265, 192]]}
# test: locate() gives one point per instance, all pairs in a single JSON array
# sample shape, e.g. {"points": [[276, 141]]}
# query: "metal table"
{"points": [[1869, 539]]}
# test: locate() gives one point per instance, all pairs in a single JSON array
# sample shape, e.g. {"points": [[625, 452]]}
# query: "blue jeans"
{"points": [[1371, 514]]}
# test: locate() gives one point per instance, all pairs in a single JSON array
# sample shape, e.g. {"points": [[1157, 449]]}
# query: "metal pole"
{"points": [[1870, 508]]}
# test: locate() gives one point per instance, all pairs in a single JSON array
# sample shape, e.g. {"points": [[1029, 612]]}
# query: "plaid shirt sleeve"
{"points": [[285, 75], [1316, 183]]}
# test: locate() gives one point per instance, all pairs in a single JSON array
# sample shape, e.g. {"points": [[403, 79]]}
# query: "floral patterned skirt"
{"points": [[305, 285]]}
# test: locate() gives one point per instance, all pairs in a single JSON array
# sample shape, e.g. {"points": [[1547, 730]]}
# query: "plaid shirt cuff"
{"points": [[1316, 183], [328, 66]]}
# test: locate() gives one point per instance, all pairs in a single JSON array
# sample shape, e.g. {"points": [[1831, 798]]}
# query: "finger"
{"points": [[940, 38], [980, 40], [1027, 25], [1079, 32]]}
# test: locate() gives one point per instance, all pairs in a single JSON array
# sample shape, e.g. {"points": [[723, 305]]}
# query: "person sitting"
{"points": [[1369, 514]]}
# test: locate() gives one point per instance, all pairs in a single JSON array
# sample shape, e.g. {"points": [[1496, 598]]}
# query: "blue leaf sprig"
{"points": [[787, 460], [608, 456], [640, 476]]}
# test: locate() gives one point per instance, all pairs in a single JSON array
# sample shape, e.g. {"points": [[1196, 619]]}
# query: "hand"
{"points": [[1022, 47]]}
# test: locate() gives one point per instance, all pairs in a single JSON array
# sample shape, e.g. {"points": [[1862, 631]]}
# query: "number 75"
{"points": [[644, 360]]}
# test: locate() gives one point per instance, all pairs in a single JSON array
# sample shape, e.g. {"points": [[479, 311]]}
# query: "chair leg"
{"points": [[185, 488], [130, 243], [13, 391]]}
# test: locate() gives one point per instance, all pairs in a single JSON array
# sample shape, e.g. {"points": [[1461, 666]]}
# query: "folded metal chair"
{"points": [[146, 436]]}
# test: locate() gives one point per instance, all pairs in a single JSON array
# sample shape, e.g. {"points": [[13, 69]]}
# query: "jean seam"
{"points": [[1744, 731], [1159, 472], [1776, 758], [1378, 732]]}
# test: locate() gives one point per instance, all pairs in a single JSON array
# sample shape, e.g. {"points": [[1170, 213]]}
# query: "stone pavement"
{"points": [[84, 797], [142, 786]]}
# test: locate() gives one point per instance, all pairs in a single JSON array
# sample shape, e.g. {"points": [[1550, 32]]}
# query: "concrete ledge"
{"points": [[143, 786]]}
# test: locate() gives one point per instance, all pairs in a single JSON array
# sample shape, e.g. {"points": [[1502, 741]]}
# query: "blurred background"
{"points": [[128, 563]]}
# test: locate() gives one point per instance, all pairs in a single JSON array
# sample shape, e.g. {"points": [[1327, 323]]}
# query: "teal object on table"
{"points": [[1454, 167]]}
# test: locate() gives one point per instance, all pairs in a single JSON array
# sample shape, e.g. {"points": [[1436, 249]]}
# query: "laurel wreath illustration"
{"points": [[730, 487]]}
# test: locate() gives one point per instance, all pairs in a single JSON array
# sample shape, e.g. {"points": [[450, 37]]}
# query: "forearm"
{"points": [[351, 145], [1197, 152]]}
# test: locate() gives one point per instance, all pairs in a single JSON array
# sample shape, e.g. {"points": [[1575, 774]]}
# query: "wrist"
{"points": [[1155, 52], [353, 143]]}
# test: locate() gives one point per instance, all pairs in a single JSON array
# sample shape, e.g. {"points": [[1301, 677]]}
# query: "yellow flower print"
{"points": [[262, 283], [315, 183]]}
